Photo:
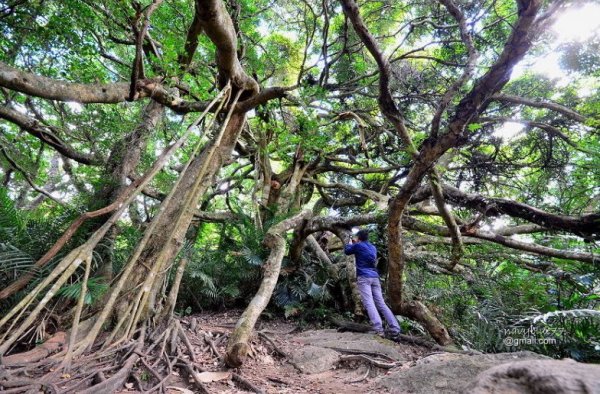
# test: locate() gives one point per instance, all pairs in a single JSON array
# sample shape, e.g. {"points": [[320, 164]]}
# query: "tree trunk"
{"points": [[237, 346], [169, 234], [124, 158], [419, 312]]}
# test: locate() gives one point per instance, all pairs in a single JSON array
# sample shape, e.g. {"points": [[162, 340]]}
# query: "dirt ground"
{"points": [[266, 368]]}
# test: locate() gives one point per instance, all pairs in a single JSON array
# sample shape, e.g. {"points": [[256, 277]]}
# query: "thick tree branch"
{"points": [[40, 86], [569, 113], [512, 243], [216, 217], [467, 72], [586, 226], [47, 135], [386, 101], [52, 89], [534, 248], [214, 19], [263, 97], [373, 195], [237, 346], [191, 41]]}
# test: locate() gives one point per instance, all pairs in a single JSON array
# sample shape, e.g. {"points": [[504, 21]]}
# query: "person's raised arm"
{"points": [[349, 248]]}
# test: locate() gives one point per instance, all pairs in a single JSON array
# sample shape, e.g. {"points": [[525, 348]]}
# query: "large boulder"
{"points": [[351, 342], [312, 359], [538, 376], [447, 372]]}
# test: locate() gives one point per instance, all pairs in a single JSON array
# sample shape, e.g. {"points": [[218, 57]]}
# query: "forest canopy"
{"points": [[159, 158]]}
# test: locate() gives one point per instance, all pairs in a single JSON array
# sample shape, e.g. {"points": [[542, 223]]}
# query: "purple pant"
{"points": [[370, 292]]}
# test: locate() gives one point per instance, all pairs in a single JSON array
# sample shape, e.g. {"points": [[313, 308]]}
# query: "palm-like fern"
{"points": [[95, 289], [24, 238], [14, 259]]}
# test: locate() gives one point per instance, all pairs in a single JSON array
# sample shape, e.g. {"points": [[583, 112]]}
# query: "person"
{"points": [[368, 284]]}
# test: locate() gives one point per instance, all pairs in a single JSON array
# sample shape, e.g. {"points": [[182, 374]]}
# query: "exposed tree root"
{"points": [[263, 335], [362, 353], [154, 352], [272, 343], [189, 369], [52, 345], [117, 381], [90, 373], [371, 361], [366, 375], [212, 346]]}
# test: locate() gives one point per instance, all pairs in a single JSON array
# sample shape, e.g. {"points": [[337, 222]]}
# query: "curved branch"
{"points": [[551, 130], [47, 135], [237, 346], [117, 92], [446, 213], [427, 228], [331, 223], [569, 113], [214, 19], [373, 195], [191, 41], [534, 248], [586, 226], [386, 101], [493, 80], [469, 68], [14, 165]]}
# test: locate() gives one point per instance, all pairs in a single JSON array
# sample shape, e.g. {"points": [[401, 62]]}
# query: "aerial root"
{"points": [[366, 375]]}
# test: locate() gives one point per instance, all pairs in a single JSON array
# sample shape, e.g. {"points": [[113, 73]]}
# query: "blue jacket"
{"points": [[366, 258]]}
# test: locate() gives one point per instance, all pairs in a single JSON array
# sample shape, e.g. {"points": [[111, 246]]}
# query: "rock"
{"points": [[352, 341], [538, 376], [312, 359], [447, 372]]}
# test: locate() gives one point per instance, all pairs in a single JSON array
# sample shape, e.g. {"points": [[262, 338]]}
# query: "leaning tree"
{"points": [[315, 116]]}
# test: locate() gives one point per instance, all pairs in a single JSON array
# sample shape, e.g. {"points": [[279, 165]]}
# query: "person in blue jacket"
{"points": [[369, 287]]}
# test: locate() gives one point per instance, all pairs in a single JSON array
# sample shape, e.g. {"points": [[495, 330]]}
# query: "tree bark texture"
{"points": [[166, 240]]}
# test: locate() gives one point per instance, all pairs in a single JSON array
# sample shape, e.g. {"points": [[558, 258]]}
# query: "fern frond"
{"points": [[12, 222], [95, 289]]}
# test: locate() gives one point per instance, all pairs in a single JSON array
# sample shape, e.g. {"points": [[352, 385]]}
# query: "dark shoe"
{"points": [[394, 336]]}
